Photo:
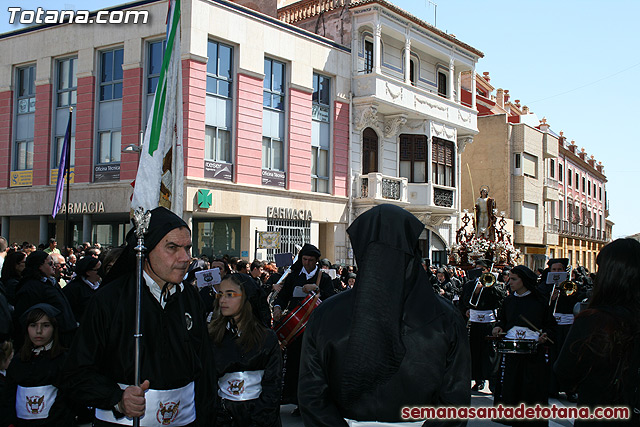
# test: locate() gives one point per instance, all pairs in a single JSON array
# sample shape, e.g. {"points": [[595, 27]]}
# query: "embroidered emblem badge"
{"points": [[189, 320], [35, 404], [236, 387], [481, 317], [167, 412], [521, 334]]}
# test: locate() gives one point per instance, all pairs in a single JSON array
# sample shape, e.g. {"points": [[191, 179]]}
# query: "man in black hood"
{"points": [[175, 349], [390, 342]]}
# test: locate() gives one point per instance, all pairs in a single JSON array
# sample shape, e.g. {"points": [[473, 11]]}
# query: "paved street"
{"points": [[477, 400]]}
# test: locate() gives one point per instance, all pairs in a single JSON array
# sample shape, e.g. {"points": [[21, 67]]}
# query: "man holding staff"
{"points": [[100, 370]]}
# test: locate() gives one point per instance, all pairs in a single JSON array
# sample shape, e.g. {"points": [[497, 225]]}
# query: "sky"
{"points": [[575, 62]]}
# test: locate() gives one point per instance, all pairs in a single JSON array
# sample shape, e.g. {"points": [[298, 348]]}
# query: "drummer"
{"points": [[530, 326], [306, 277]]}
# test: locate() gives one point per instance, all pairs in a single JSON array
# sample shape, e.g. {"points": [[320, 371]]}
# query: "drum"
{"points": [[292, 325], [516, 346]]}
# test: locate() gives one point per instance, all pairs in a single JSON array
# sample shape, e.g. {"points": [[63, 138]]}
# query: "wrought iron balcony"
{"points": [[382, 187]]}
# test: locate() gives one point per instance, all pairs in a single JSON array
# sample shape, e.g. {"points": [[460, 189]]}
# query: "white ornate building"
{"points": [[409, 125]]}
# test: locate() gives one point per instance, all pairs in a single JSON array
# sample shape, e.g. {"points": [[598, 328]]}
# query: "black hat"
{"points": [[324, 262], [48, 309], [563, 261], [85, 264], [529, 278], [162, 222], [309, 250]]}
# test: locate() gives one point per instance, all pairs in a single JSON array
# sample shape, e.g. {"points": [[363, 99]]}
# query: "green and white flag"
{"points": [[160, 177]]}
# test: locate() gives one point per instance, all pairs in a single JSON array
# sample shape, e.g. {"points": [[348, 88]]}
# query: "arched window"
{"points": [[369, 151]]}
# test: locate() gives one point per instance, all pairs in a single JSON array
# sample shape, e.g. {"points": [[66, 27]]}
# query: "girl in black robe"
{"points": [[32, 396], [601, 355], [524, 378], [247, 357]]}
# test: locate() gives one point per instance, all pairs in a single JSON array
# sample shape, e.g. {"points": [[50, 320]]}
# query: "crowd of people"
{"points": [[392, 332]]}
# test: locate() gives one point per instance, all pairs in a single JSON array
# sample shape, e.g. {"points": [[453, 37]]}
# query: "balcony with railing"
{"points": [[436, 197], [577, 230], [394, 96], [375, 187]]}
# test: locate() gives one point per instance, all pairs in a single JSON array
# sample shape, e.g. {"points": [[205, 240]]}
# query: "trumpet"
{"points": [[487, 280], [568, 287]]}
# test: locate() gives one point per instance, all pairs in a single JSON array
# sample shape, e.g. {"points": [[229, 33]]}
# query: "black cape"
{"points": [[175, 348]]}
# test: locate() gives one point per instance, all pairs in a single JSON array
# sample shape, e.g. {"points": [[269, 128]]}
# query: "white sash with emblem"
{"points": [[163, 408], [34, 403], [482, 316], [244, 385], [563, 318], [522, 333]]}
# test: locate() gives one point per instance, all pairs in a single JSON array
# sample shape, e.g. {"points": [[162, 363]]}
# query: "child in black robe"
{"points": [[31, 396], [248, 360]]}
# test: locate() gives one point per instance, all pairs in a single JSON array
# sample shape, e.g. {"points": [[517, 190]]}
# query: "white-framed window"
{"points": [[217, 144], [25, 117], [442, 162], [442, 83], [219, 102], [413, 158], [273, 126], [66, 96], [320, 133], [368, 56], [552, 168], [517, 164], [560, 172], [529, 217], [109, 146], [529, 165]]}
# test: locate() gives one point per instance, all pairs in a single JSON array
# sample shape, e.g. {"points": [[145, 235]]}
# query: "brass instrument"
{"points": [[487, 280], [568, 287]]}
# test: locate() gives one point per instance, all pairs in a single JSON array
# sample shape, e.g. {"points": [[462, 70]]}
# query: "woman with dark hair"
{"points": [[529, 324], [83, 286], [247, 357], [32, 396], [601, 352], [12, 268], [37, 286]]}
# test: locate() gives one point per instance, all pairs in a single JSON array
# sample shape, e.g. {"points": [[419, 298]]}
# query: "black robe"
{"points": [[41, 370], [287, 302], [435, 370], [265, 410], [78, 294], [484, 359], [174, 352], [564, 305], [589, 370], [524, 378]]}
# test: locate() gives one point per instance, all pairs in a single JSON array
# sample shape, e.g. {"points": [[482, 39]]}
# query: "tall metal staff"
{"points": [[141, 219]]}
